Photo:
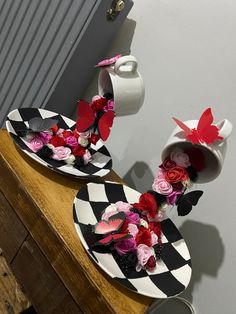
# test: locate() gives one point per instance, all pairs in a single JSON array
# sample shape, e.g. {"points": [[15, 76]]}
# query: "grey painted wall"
{"points": [[187, 56]]}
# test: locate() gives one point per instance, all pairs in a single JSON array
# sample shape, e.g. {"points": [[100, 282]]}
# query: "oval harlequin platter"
{"points": [[173, 271], [17, 121]]}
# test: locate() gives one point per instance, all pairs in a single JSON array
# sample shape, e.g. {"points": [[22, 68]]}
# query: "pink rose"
{"points": [[96, 97], [133, 229], [160, 174], [172, 198], [61, 153], [71, 141], [60, 131], [144, 252], [87, 157], [154, 238], [162, 187], [180, 158], [110, 105], [35, 144], [45, 137], [124, 246], [122, 206], [132, 218]]}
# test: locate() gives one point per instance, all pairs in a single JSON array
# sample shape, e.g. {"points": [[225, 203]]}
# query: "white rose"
{"points": [[83, 141], [188, 184], [143, 223], [70, 160], [50, 146], [111, 208], [29, 136]]}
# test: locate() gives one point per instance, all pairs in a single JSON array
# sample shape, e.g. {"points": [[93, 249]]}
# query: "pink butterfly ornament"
{"points": [[108, 62], [113, 224]]}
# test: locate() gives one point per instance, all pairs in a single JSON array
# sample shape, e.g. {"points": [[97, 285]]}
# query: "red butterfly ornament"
{"points": [[87, 119], [205, 132], [113, 238], [112, 225]]}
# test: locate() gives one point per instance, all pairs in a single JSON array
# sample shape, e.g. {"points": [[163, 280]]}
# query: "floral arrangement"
{"points": [[47, 140], [130, 235], [94, 122], [59, 144], [132, 232], [176, 174]]}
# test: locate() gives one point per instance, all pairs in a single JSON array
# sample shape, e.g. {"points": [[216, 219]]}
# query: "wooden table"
{"points": [[40, 242], [12, 300]]}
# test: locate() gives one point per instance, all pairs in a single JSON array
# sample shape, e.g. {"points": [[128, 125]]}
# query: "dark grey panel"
{"points": [[48, 49]]}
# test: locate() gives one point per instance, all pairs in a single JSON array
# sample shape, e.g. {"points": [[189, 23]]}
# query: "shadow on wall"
{"points": [[120, 45], [139, 176], [206, 260], [123, 39], [206, 249]]}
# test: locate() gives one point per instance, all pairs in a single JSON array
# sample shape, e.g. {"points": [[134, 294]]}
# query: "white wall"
{"points": [[187, 56]]}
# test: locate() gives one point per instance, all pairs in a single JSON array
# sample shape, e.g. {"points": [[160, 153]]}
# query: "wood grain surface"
{"points": [[12, 231], [40, 281], [12, 299], [43, 200]]}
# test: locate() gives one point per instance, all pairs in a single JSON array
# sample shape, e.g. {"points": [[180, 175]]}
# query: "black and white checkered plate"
{"points": [[173, 271], [100, 165]]}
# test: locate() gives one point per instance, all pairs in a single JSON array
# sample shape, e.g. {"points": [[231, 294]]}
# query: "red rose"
{"points": [[76, 133], [197, 158], [147, 202], [168, 164], [99, 104], [176, 174], [66, 133], [54, 128], [79, 151], [177, 186], [94, 138], [151, 263], [156, 228], [143, 237], [57, 141]]}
